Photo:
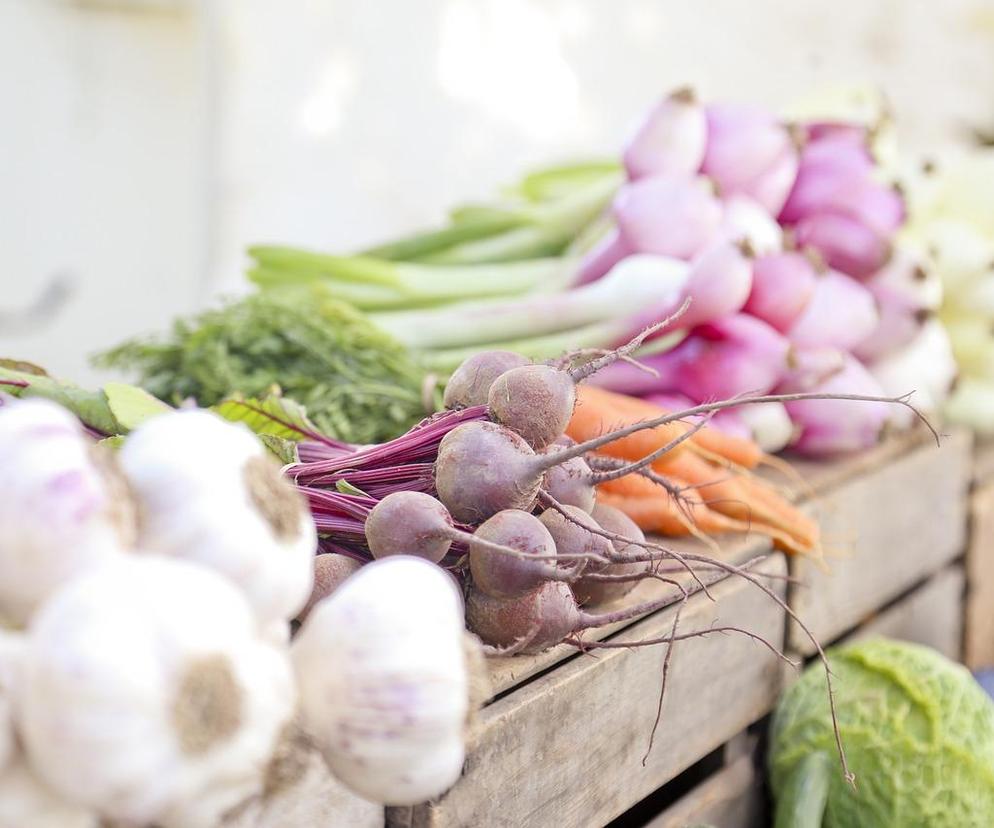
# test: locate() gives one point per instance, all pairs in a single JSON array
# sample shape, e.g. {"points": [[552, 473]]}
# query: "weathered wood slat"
{"points": [[566, 748], [979, 638], [821, 476], [506, 673], [731, 798], [897, 523], [931, 615]]}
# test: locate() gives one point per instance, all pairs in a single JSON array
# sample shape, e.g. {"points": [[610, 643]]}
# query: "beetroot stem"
{"points": [[590, 368], [597, 442], [638, 465], [849, 775]]}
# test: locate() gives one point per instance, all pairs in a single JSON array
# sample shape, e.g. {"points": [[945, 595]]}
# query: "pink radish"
{"points": [[782, 286], [671, 140]]}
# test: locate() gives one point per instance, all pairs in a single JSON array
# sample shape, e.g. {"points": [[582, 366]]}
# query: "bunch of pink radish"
{"points": [[808, 289]]}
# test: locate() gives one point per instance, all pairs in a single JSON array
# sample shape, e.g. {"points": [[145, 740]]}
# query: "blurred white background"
{"points": [[145, 143]]}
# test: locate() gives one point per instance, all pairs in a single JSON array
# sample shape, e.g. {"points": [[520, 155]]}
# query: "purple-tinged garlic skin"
{"points": [[63, 508]]}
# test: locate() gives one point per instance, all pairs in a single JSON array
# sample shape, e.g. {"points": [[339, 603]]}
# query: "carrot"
{"points": [[734, 501], [597, 413], [654, 510], [618, 409], [660, 514], [741, 497]]}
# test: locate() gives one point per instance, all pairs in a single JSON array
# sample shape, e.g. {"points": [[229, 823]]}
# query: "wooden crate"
{"points": [[979, 621], [898, 519], [566, 748], [932, 615], [562, 740], [734, 796]]}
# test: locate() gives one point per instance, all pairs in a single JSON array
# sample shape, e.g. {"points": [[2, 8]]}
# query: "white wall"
{"points": [[144, 150], [102, 169]]}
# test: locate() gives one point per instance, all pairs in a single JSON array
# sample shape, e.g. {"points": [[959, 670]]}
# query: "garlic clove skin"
{"points": [[11, 646], [146, 693], [63, 507], [25, 802], [384, 681], [209, 492]]}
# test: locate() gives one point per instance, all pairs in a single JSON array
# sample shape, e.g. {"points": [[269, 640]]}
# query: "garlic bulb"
{"points": [[25, 802], [11, 645], [63, 507], [208, 491], [146, 693], [6, 729], [383, 680]]}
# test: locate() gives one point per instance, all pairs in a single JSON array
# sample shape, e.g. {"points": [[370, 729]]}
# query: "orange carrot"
{"points": [[655, 510], [618, 409], [741, 497], [724, 499], [596, 413], [660, 514]]}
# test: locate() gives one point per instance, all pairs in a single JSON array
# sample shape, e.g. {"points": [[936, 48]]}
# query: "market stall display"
{"points": [[364, 527]]}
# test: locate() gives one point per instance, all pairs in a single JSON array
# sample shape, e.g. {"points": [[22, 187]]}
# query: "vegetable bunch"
{"points": [[492, 490], [784, 236], [357, 383], [542, 529], [823, 300], [152, 587]]}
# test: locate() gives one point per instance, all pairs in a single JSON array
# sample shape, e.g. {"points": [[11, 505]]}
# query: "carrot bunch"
{"points": [[703, 485]]}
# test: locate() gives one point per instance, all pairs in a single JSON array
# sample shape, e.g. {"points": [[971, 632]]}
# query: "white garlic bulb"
{"points": [[25, 802], [6, 729], [208, 491], [146, 693], [11, 646], [383, 680], [63, 508]]}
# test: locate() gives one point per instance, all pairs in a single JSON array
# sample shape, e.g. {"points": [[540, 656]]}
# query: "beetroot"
{"points": [[571, 482], [330, 572], [410, 523], [591, 590], [536, 401], [470, 383], [484, 468], [506, 576], [541, 618]]}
